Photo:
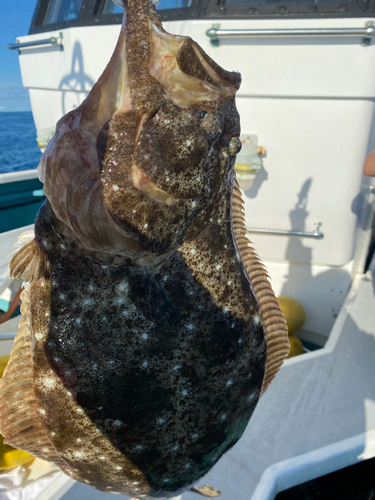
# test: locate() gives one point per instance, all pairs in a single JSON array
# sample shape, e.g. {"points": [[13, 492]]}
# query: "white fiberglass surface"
{"points": [[312, 171]]}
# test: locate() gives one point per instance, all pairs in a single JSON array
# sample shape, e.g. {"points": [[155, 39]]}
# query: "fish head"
{"points": [[150, 147]]}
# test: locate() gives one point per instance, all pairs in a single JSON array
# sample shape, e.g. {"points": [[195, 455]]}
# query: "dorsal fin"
{"points": [[274, 322], [29, 262]]}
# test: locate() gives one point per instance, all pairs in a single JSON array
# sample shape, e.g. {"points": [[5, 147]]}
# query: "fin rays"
{"points": [[274, 322]]}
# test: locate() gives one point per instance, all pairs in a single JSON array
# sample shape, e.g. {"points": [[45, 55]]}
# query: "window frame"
{"points": [[91, 13]]}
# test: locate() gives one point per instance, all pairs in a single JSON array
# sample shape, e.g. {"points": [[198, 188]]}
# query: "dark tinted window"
{"points": [[58, 14], [111, 8], [173, 4], [62, 10]]}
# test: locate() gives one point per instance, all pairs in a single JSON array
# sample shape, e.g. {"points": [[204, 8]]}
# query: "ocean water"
{"points": [[18, 147]]}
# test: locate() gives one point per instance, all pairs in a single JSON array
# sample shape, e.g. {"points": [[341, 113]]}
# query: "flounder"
{"points": [[149, 326]]}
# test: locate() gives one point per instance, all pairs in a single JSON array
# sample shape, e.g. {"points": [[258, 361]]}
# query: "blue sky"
{"points": [[15, 21]]}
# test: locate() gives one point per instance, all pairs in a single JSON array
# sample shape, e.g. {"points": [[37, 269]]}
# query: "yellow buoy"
{"points": [[294, 313], [9, 456], [296, 346]]}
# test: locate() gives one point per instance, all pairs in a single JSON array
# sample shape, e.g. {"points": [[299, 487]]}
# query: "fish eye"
{"points": [[203, 115], [235, 146]]}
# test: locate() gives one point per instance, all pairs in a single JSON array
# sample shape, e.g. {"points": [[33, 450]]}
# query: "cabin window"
{"points": [[59, 14], [173, 4], [111, 8], [62, 10]]}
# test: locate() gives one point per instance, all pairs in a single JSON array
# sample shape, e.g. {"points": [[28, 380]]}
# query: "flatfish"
{"points": [[149, 327]]}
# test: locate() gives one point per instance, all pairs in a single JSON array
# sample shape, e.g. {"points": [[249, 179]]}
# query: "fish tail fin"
{"points": [[29, 262]]}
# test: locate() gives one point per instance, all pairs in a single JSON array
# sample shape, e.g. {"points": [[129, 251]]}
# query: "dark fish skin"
{"points": [[149, 327]]}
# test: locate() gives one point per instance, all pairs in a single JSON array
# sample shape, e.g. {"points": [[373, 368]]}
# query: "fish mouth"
{"points": [[149, 64], [137, 145]]}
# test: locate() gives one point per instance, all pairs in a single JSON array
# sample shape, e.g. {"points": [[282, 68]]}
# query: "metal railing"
{"points": [[317, 234], [53, 40], [215, 33]]}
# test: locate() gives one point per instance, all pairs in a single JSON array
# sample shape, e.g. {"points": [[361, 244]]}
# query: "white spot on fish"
{"points": [[102, 458], [193, 251], [78, 321], [188, 143], [232, 325], [193, 203], [229, 383], [41, 411], [120, 468], [145, 364], [145, 336], [111, 362], [100, 407], [117, 423], [229, 283], [177, 367], [120, 300], [190, 326], [218, 267], [219, 221], [167, 179], [139, 447], [125, 313], [161, 420], [223, 417], [49, 382], [115, 187], [95, 366], [53, 433], [134, 211], [145, 226], [63, 246], [184, 393], [256, 320], [251, 396], [240, 341], [79, 440], [87, 302], [91, 288], [167, 121], [165, 278], [79, 410], [78, 454], [225, 310], [187, 466], [62, 296], [47, 314], [38, 336], [194, 436], [123, 287], [175, 447], [165, 480]]}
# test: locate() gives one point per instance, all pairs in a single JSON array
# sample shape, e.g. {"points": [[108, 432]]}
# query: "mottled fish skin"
{"points": [[149, 327]]}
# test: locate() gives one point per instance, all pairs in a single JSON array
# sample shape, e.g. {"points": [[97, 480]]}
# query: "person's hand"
{"points": [[369, 166]]}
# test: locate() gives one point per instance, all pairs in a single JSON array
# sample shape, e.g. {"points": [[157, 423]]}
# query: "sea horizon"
{"points": [[19, 149]]}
